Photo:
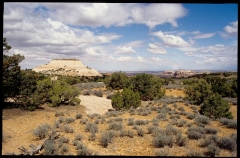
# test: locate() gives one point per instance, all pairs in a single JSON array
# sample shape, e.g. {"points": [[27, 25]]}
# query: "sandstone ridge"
{"points": [[182, 72], [66, 67]]}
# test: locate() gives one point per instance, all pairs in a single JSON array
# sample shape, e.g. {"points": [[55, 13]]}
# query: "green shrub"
{"points": [[148, 86], [211, 130], [140, 122], [50, 148], [192, 134], [130, 121], [61, 120], [92, 137], [109, 96], [75, 142], [161, 115], [57, 124], [64, 149], [228, 123], [140, 132], [83, 120], [42, 131], [88, 92], [69, 120], [194, 153], [115, 126], [215, 107], [160, 140], [226, 143], [117, 80], [57, 114], [190, 116], [63, 140], [98, 93], [83, 150], [78, 137], [212, 150], [181, 140], [125, 99], [78, 116], [202, 119], [68, 129], [130, 133], [161, 152], [106, 138], [90, 127]]}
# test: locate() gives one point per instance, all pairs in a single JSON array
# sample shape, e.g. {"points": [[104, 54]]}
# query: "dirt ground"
{"points": [[18, 125]]}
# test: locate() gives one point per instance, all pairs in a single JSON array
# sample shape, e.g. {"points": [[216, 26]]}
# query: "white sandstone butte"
{"points": [[67, 67]]}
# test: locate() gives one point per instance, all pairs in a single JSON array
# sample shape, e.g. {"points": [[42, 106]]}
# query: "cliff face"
{"points": [[67, 67], [182, 72]]}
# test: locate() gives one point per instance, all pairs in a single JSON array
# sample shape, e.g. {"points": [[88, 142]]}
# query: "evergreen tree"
{"points": [[215, 107]]}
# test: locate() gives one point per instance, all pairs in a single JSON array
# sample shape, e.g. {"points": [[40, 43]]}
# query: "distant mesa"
{"points": [[66, 67], [182, 72]]}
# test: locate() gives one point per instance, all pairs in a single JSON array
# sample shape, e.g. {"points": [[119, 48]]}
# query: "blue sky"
{"points": [[126, 37]]}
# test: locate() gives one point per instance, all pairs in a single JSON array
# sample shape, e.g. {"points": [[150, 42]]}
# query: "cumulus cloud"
{"points": [[230, 30], [126, 58], [152, 48], [107, 14], [125, 50], [171, 40], [203, 36], [156, 59], [189, 53], [141, 59], [92, 52]]}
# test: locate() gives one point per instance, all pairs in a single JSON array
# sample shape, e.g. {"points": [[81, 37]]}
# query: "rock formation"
{"points": [[67, 67], [182, 72]]}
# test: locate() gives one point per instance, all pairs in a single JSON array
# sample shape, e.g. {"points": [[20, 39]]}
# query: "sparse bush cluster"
{"points": [[106, 138], [42, 131], [228, 123], [195, 132]]}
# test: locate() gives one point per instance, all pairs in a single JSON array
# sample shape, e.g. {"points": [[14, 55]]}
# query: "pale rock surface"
{"points": [[67, 67]]}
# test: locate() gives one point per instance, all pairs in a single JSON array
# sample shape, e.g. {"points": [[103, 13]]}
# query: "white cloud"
{"points": [[136, 44], [230, 30], [141, 59], [189, 53], [125, 50], [203, 36], [107, 14], [233, 29], [171, 40], [126, 58], [152, 48], [92, 52], [156, 59], [196, 32]]}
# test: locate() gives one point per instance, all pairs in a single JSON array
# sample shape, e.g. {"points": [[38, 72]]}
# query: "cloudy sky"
{"points": [[126, 37]]}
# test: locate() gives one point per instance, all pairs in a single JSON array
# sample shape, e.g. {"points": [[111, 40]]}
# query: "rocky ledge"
{"points": [[67, 67]]}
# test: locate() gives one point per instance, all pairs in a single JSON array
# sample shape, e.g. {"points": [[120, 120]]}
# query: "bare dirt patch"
{"points": [[95, 104]]}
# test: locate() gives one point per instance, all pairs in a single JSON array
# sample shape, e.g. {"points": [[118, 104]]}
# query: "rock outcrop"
{"points": [[67, 67], [182, 72]]}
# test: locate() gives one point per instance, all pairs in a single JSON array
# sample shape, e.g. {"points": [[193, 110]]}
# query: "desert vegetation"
{"points": [[151, 116]]}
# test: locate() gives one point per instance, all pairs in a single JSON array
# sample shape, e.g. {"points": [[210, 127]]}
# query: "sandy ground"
{"points": [[95, 104], [18, 125]]}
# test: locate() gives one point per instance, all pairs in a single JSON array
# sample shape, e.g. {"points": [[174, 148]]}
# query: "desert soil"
{"points": [[18, 125]]}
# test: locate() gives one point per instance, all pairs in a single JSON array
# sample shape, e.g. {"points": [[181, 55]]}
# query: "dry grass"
{"points": [[17, 127]]}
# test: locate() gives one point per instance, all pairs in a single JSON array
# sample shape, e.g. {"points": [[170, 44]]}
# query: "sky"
{"points": [[125, 36]]}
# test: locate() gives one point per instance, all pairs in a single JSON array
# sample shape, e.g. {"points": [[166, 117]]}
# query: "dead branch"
{"points": [[36, 149]]}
